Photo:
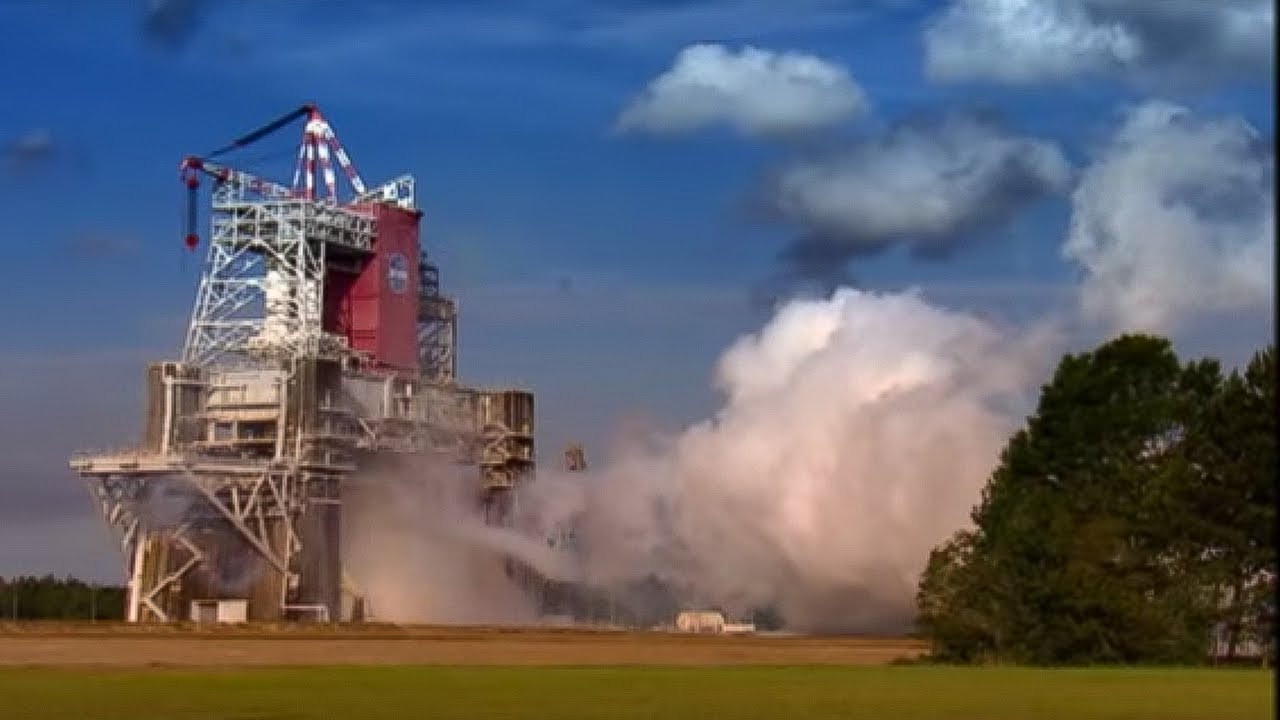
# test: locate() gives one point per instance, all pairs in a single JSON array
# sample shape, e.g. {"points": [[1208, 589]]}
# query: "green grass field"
{"points": [[897, 693]]}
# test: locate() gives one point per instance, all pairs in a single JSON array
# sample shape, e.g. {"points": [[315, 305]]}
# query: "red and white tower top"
{"points": [[317, 140], [319, 145]]}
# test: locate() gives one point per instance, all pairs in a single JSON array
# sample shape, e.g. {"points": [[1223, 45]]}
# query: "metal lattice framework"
{"points": [[122, 499], [251, 436], [437, 327], [317, 140], [400, 192], [262, 290], [260, 506]]}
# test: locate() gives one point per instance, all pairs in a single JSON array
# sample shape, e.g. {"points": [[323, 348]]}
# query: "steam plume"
{"points": [[855, 435], [422, 554]]}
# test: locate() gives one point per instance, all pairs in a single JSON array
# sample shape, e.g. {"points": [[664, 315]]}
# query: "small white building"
{"points": [[220, 611], [700, 621], [712, 622]]}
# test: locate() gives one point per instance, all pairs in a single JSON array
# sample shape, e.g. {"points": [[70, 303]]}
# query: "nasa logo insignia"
{"points": [[397, 273]]}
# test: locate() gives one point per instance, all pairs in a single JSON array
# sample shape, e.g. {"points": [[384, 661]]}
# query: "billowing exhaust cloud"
{"points": [[756, 92], [857, 429], [1175, 220], [856, 433], [1168, 42], [928, 185], [422, 554]]}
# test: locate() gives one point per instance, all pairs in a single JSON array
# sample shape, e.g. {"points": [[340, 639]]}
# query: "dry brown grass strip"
{"points": [[121, 645]]}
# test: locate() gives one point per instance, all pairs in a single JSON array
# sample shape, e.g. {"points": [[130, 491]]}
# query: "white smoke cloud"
{"points": [[1174, 220], [1032, 41], [926, 185], [856, 433], [758, 92], [422, 554]]}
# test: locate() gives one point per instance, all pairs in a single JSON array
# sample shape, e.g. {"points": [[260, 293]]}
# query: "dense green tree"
{"points": [[51, 598], [1227, 500], [959, 607], [1131, 514]]}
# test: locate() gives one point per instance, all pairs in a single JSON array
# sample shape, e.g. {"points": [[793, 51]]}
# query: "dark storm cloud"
{"points": [[30, 151], [930, 185], [171, 24], [1198, 40], [1161, 43], [40, 150], [808, 268]]}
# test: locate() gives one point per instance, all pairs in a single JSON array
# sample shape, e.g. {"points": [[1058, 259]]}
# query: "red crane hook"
{"points": [[191, 179]]}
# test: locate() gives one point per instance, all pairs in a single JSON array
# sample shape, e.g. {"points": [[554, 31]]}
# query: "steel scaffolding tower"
{"points": [[294, 380]]}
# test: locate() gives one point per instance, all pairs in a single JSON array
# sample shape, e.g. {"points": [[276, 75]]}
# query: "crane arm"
{"points": [[265, 130], [190, 170], [318, 140], [222, 173]]}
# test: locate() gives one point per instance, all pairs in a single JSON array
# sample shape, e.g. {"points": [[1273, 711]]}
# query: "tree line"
{"points": [[52, 598], [1130, 521]]}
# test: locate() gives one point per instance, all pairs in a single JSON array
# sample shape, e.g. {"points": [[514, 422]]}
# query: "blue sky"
{"points": [[606, 270]]}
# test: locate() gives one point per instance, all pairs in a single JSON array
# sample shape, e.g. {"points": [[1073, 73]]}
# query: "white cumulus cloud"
{"points": [[1175, 220], [755, 91], [1163, 41]]}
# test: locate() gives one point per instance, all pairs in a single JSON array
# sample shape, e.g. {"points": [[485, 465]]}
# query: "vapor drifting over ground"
{"points": [[418, 553]]}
